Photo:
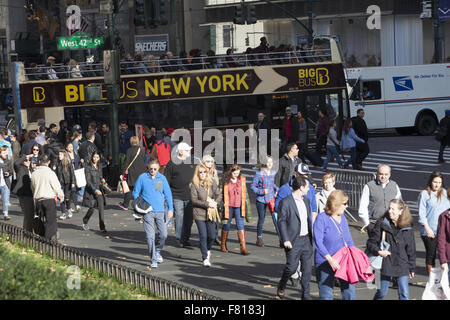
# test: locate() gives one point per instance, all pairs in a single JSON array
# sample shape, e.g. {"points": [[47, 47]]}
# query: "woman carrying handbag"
{"points": [[205, 195], [264, 187], [133, 167], [399, 260]]}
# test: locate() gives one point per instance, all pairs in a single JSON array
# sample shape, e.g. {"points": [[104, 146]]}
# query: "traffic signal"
{"points": [[251, 14], [159, 7], [140, 17], [239, 17]]}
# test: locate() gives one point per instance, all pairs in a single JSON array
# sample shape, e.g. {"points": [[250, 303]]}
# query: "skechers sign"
{"points": [[403, 83], [188, 85]]}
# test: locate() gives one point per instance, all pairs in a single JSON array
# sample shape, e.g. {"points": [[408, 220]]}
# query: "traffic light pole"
{"points": [[114, 116], [437, 49]]}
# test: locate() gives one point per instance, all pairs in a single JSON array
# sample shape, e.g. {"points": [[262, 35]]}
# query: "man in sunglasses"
{"points": [[154, 189]]}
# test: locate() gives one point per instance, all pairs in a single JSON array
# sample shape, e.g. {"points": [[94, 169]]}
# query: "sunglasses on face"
{"points": [[35, 149], [153, 169]]}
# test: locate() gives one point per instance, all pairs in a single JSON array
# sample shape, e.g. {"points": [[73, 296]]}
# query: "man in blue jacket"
{"points": [[153, 187], [285, 191]]}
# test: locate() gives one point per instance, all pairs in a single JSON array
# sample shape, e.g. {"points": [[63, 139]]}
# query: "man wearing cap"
{"points": [[179, 173], [444, 123], [289, 132], [51, 72]]}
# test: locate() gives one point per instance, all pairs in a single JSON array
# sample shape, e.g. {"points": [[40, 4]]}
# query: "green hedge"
{"points": [[26, 274]]}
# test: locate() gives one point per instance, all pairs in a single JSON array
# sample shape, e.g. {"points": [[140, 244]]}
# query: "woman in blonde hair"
{"points": [[205, 195], [399, 260], [208, 162], [66, 176], [331, 233]]}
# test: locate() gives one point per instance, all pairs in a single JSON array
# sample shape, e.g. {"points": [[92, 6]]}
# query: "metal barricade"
{"points": [[352, 183], [158, 286]]}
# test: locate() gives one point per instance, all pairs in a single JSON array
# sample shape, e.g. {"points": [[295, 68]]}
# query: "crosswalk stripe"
{"points": [[446, 152], [404, 161], [388, 154]]}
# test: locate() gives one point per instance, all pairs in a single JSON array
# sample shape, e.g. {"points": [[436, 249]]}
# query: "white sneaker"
{"points": [[77, 208], [70, 214], [206, 263], [63, 217]]}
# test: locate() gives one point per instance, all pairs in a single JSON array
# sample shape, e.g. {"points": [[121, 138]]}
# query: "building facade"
{"points": [[398, 36]]}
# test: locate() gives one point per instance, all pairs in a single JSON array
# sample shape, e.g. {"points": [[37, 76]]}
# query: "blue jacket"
{"points": [[349, 140], [258, 186], [154, 190], [286, 189]]}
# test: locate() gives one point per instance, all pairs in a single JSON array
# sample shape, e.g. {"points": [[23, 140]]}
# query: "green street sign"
{"points": [[80, 41]]}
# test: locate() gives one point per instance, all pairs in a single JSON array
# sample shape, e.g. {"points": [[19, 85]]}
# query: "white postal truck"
{"points": [[407, 98]]}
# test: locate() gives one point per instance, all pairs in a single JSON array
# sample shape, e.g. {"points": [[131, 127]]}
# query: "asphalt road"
{"points": [[256, 276]]}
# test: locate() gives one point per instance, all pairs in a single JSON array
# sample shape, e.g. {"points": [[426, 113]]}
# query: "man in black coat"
{"points": [[87, 148], [295, 224], [444, 125], [360, 127], [287, 165]]}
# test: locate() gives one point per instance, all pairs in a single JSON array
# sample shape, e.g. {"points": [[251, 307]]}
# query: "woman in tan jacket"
{"points": [[205, 194]]}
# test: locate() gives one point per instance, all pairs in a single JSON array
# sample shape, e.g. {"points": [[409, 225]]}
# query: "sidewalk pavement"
{"points": [[232, 276]]}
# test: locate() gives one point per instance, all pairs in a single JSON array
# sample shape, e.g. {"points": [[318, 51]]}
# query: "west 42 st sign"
{"points": [[80, 40]]}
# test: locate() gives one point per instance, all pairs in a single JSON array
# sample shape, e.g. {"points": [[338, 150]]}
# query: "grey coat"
{"points": [[199, 203]]}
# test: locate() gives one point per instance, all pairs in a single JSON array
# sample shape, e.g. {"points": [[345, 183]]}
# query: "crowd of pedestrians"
{"points": [[311, 225]]}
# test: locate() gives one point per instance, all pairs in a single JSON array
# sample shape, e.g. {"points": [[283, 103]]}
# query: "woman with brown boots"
{"points": [[234, 195]]}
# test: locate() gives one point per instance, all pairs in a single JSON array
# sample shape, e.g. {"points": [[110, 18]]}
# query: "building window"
{"points": [[227, 36]]}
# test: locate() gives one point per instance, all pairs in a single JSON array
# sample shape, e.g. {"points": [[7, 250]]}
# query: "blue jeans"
{"points": [[80, 194], [207, 235], [403, 288], [332, 151], [325, 281], [183, 219], [261, 207], [236, 212], [150, 219], [5, 198], [352, 158]]}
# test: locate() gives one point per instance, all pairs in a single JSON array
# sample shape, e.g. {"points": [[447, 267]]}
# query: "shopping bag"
{"points": [[80, 178], [125, 187], [437, 287]]}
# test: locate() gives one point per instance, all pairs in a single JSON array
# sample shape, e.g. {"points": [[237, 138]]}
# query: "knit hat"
{"points": [[447, 113]]}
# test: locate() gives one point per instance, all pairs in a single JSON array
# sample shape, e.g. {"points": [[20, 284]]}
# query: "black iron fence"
{"points": [[158, 286]]}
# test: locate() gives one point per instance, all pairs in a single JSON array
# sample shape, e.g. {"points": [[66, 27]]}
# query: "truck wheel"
{"points": [[426, 125], [405, 131]]}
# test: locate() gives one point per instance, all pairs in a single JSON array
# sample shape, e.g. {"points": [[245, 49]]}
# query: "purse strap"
{"points": [[137, 153], [339, 230]]}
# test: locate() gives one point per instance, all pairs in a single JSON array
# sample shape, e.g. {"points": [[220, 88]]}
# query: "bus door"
{"points": [[369, 96]]}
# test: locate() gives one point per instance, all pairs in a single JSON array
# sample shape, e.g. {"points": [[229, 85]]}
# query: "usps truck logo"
{"points": [[403, 83]]}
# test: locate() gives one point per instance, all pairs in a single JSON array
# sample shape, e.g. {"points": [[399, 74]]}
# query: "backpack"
{"points": [[163, 152]]}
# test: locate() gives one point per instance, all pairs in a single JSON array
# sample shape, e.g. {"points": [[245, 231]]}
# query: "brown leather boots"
{"points": [[241, 236]]}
